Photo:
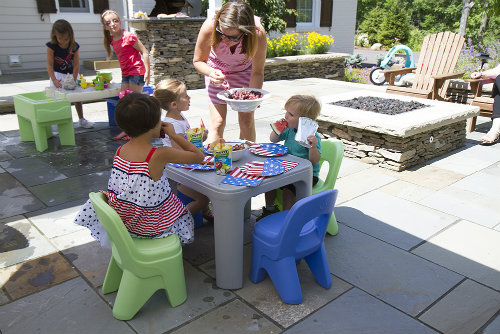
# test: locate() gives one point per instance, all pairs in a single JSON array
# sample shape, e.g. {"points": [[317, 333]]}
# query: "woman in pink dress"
{"points": [[231, 50]]}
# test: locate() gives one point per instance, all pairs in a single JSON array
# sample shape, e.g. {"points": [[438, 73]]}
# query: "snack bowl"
{"points": [[239, 153], [243, 105]]}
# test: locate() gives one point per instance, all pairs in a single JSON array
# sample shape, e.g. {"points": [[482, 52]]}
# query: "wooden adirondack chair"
{"points": [[436, 63], [485, 103]]}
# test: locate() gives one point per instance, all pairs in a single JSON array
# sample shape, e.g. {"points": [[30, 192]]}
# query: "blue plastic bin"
{"points": [[111, 102]]}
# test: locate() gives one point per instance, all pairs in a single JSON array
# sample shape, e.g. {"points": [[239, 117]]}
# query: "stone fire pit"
{"points": [[395, 141]]}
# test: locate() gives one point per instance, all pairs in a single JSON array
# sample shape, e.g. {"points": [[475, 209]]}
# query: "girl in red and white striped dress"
{"points": [[138, 188]]}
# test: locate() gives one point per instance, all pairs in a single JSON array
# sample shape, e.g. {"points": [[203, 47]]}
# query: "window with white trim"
{"points": [[304, 11], [74, 6]]}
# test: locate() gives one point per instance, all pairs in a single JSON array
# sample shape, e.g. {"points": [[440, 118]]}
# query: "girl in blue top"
{"points": [[63, 58], [297, 106]]}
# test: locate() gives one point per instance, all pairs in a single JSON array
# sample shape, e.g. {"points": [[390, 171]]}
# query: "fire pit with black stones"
{"points": [[386, 136]]}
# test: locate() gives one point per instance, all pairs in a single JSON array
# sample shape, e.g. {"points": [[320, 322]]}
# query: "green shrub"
{"points": [[371, 24], [416, 38], [394, 26]]}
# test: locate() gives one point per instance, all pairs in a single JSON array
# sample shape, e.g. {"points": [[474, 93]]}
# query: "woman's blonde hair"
{"points": [[63, 27], [107, 34], [307, 105], [168, 90], [237, 15]]}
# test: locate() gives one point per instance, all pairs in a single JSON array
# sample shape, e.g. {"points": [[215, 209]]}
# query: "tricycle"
{"points": [[377, 77]]}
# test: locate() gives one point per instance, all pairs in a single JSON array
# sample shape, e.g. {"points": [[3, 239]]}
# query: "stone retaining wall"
{"points": [[171, 43], [392, 152]]}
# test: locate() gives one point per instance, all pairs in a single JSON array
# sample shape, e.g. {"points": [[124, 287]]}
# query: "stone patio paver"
{"points": [[404, 224], [467, 248], [35, 275], [86, 254], [358, 312], [23, 240], [235, 317], [390, 274], [69, 307], [157, 316], [464, 310], [15, 199], [468, 205]]}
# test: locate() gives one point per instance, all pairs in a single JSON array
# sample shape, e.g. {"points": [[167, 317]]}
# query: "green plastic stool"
{"points": [[139, 266], [36, 114], [332, 151]]}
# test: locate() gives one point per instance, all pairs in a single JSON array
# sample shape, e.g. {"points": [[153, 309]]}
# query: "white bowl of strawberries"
{"points": [[244, 99]]}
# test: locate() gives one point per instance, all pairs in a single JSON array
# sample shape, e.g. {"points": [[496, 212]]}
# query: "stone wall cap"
{"points": [[437, 114], [302, 58]]}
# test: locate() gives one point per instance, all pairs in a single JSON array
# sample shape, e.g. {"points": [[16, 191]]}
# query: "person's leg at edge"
{"points": [[247, 125], [217, 124], [288, 199], [494, 133], [200, 201], [82, 122]]}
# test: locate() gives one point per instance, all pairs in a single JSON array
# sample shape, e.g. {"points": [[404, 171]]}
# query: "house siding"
{"points": [[22, 32], [342, 29]]}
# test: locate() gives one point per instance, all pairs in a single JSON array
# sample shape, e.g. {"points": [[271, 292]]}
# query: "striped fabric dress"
{"points": [[232, 64], [148, 208]]}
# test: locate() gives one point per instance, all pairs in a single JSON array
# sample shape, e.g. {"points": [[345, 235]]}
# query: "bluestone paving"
{"points": [[15, 199], [358, 312], [417, 250], [234, 317], [465, 204], [394, 276], [29, 243], [468, 249], [86, 255], [463, 310], [404, 224], [493, 327], [69, 307], [157, 316]]}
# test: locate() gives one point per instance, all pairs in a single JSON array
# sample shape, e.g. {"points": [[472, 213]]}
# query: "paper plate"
{"points": [[268, 149], [269, 167]]}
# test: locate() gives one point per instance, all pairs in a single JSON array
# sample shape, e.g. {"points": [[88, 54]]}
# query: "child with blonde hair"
{"points": [[296, 106], [174, 99], [128, 49], [138, 188], [63, 58]]}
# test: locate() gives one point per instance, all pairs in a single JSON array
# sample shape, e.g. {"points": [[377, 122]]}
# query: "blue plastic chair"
{"points": [[332, 152], [282, 239]]}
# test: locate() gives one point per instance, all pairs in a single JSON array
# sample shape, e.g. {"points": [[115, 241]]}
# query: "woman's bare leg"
{"points": [[247, 125], [218, 113]]}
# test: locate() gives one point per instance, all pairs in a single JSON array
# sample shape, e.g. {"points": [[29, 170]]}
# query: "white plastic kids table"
{"points": [[84, 95], [229, 205]]}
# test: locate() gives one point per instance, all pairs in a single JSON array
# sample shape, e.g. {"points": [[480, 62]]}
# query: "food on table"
{"points": [[237, 147], [195, 136], [222, 158], [279, 126], [244, 94]]}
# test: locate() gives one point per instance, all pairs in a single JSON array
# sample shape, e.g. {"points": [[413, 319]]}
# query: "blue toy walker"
{"points": [[378, 78]]}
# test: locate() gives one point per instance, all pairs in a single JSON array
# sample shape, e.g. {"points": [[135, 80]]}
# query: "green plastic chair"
{"points": [[332, 151], [139, 266], [36, 113]]}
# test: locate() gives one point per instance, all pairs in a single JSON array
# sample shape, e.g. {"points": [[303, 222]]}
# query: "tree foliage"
{"points": [[395, 26], [431, 16]]}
